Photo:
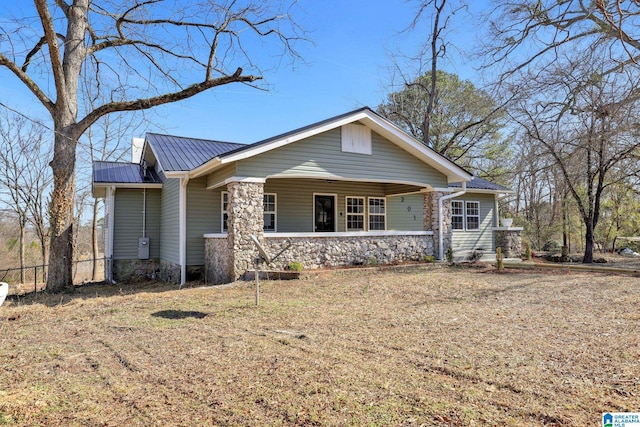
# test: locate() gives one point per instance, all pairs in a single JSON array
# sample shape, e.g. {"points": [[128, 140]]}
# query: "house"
{"points": [[350, 190]]}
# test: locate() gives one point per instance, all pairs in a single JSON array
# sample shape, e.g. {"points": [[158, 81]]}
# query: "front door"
{"points": [[324, 212]]}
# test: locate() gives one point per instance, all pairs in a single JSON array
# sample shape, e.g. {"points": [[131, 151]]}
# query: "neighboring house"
{"points": [[350, 190]]}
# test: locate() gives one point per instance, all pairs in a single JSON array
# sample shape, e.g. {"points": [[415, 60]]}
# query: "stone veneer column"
{"points": [[245, 217], [431, 219], [509, 240]]}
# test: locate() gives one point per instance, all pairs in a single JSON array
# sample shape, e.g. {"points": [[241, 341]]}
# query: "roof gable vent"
{"points": [[356, 139]]}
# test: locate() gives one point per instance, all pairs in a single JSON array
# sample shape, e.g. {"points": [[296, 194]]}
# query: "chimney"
{"points": [[136, 149]]}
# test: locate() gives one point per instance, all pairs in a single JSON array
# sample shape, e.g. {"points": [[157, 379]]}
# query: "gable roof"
{"points": [[178, 153], [365, 116], [482, 184], [122, 173]]}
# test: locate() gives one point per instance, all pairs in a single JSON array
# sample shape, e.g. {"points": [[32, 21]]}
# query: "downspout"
{"points": [[111, 201], [183, 229], [440, 222]]}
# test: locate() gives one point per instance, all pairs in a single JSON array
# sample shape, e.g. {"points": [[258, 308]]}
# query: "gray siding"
{"points": [[221, 174], [170, 221], [202, 217], [405, 212], [295, 203], [469, 240], [321, 156], [128, 212]]}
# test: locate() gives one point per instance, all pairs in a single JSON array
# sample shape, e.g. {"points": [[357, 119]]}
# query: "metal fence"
{"points": [[34, 278]]}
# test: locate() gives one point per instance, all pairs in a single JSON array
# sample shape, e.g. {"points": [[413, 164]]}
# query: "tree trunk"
{"points": [[60, 276], [588, 243]]}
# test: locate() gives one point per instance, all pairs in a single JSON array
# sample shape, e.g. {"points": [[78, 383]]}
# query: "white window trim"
{"points": [[335, 210], [369, 214], [222, 211], [274, 212], [466, 217], [464, 222], [363, 214]]}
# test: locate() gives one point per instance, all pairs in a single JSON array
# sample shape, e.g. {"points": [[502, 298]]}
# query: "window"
{"points": [[377, 216], [473, 215], [225, 215], [457, 215], [355, 213], [269, 215]]}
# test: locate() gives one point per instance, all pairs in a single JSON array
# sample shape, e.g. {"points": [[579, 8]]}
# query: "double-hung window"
{"points": [[355, 213], [225, 214], [457, 215], [377, 213], [465, 215], [269, 215], [473, 215]]}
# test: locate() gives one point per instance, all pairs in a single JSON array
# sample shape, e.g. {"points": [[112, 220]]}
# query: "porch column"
{"points": [[431, 218], [245, 217]]}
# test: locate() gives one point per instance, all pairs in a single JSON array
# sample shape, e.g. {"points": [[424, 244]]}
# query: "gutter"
{"points": [[440, 200]]}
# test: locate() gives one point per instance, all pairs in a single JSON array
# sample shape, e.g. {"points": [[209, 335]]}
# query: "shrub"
{"points": [[295, 266], [551, 246], [449, 255], [527, 251], [475, 255], [429, 258]]}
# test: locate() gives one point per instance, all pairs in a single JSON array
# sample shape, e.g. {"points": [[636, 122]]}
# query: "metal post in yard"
{"points": [[35, 280]]}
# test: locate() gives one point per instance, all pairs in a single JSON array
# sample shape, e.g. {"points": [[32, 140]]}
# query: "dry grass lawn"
{"points": [[432, 346]]}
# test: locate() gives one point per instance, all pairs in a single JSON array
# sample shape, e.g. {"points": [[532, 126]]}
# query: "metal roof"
{"points": [[123, 173], [481, 184], [177, 153]]}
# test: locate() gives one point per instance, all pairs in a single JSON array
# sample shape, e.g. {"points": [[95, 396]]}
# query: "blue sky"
{"points": [[346, 66]]}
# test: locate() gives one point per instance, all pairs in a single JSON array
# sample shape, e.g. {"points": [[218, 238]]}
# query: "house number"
{"points": [[401, 199], [408, 208]]}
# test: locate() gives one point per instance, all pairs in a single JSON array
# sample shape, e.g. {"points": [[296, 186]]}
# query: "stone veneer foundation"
{"points": [[133, 270], [321, 251]]}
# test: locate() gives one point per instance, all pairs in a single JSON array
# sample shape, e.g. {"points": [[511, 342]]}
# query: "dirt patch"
{"points": [[428, 346]]}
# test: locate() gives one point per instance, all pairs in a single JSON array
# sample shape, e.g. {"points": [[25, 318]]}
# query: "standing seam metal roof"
{"points": [[480, 184], [177, 153], [122, 173]]}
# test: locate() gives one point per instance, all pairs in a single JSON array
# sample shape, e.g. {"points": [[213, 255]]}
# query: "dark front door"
{"points": [[325, 218]]}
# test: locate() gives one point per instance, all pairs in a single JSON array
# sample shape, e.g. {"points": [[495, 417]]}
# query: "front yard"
{"points": [[431, 346]]}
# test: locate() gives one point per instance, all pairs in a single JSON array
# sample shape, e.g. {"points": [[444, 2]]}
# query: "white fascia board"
{"points": [[487, 191], [177, 174], [453, 172], [127, 185], [245, 179], [205, 168]]}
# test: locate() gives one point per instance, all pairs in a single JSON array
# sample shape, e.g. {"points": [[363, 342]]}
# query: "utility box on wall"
{"points": [[143, 248]]}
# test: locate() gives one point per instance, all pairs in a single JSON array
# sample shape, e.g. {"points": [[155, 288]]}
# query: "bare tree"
{"points": [[141, 54], [23, 173], [531, 35], [584, 118]]}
